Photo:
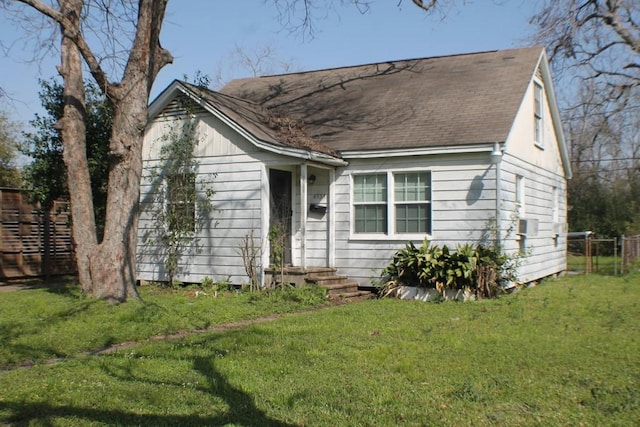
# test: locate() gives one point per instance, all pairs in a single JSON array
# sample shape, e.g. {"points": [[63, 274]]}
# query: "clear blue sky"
{"points": [[201, 34]]}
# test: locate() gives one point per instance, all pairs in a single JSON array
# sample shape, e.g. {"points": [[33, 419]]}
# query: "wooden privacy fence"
{"points": [[33, 242]]}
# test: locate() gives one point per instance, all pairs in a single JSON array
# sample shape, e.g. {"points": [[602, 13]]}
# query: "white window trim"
{"points": [[539, 119], [390, 235]]}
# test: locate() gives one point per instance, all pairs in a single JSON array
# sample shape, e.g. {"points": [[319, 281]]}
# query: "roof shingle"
{"points": [[429, 102]]}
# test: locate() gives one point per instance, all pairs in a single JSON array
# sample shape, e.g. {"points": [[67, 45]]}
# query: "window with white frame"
{"points": [[370, 203], [412, 197], [537, 113], [403, 196]]}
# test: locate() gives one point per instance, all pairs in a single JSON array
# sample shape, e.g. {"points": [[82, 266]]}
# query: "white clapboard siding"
{"points": [[544, 254], [461, 209], [234, 170], [317, 241]]}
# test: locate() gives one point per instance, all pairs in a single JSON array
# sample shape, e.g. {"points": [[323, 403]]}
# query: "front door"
{"points": [[280, 219]]}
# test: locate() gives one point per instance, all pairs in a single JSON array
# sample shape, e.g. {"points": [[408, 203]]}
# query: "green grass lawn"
{"points": [[564, 353]]}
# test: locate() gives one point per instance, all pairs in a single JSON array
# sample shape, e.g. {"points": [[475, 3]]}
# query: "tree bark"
{"points": [[73, 131], [107, 270], [113, 264]]}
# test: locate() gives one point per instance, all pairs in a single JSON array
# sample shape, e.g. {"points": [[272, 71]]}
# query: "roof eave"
{"points": [[421, 151], [176, 86]]}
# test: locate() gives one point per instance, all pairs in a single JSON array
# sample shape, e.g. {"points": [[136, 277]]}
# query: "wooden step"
{"points": [[321, 271], [352, 296], [340, 288], [326, 280]]}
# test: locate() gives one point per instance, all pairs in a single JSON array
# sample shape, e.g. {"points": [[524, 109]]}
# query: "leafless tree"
{"points": [[106, 268], [594, 47], [300, 16], [596, 39], [262, 60], [117, 38]]}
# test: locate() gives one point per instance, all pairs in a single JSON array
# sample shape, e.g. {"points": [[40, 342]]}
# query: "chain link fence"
{"points": [[609, 256]]}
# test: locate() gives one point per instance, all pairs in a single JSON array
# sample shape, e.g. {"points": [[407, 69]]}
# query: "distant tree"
{"points": [[9, 172], [597, 40], [594, 46], [45, 176], [263, 59]]}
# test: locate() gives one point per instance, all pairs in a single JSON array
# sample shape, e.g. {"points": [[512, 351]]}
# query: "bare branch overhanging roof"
{"points": [[260, 122], [431, 102]]}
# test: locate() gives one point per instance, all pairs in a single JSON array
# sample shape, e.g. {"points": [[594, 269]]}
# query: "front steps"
{"points": [[338, 287]]}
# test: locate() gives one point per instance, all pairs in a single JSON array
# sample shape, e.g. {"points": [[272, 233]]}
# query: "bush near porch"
{"points": [[477, 270]]}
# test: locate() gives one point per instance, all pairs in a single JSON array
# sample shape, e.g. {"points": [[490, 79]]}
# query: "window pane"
{"points": [[370, 188], [413, 218], [537, 114], [412, 196], [410, 187], [371, 219]]}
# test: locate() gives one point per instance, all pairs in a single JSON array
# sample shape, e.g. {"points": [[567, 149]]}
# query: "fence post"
{"points": [[46, 259], [587, 254], [615, 256]]}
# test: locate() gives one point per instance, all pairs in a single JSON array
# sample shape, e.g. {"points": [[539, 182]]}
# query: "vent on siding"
{"points": [[177, 108], [539, 73]]}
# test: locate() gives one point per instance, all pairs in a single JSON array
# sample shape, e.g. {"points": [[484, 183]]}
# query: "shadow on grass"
{"points": [[242, 408], [44, 414], [238, 408], [23, 343], [70, 289]]}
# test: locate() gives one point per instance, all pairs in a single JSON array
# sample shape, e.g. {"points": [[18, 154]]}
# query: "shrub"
{"points": [[475, 268]]}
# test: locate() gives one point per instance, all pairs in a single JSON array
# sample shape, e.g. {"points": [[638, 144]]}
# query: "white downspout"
{"points": [[332, 218], [496, 159], [303, 216]]}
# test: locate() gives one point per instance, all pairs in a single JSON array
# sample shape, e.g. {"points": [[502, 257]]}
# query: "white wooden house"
{"points": [[357, 161]]}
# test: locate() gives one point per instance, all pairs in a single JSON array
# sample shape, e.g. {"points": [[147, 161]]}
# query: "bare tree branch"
{"points": [[426, 7]]}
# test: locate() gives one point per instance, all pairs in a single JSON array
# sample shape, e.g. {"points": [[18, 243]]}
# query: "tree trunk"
{"points": [[113, 264], [73, 131], [107, 270]]}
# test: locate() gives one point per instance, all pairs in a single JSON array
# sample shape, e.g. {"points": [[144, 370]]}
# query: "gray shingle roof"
{"points": [[260, 122], [430, 102]]}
